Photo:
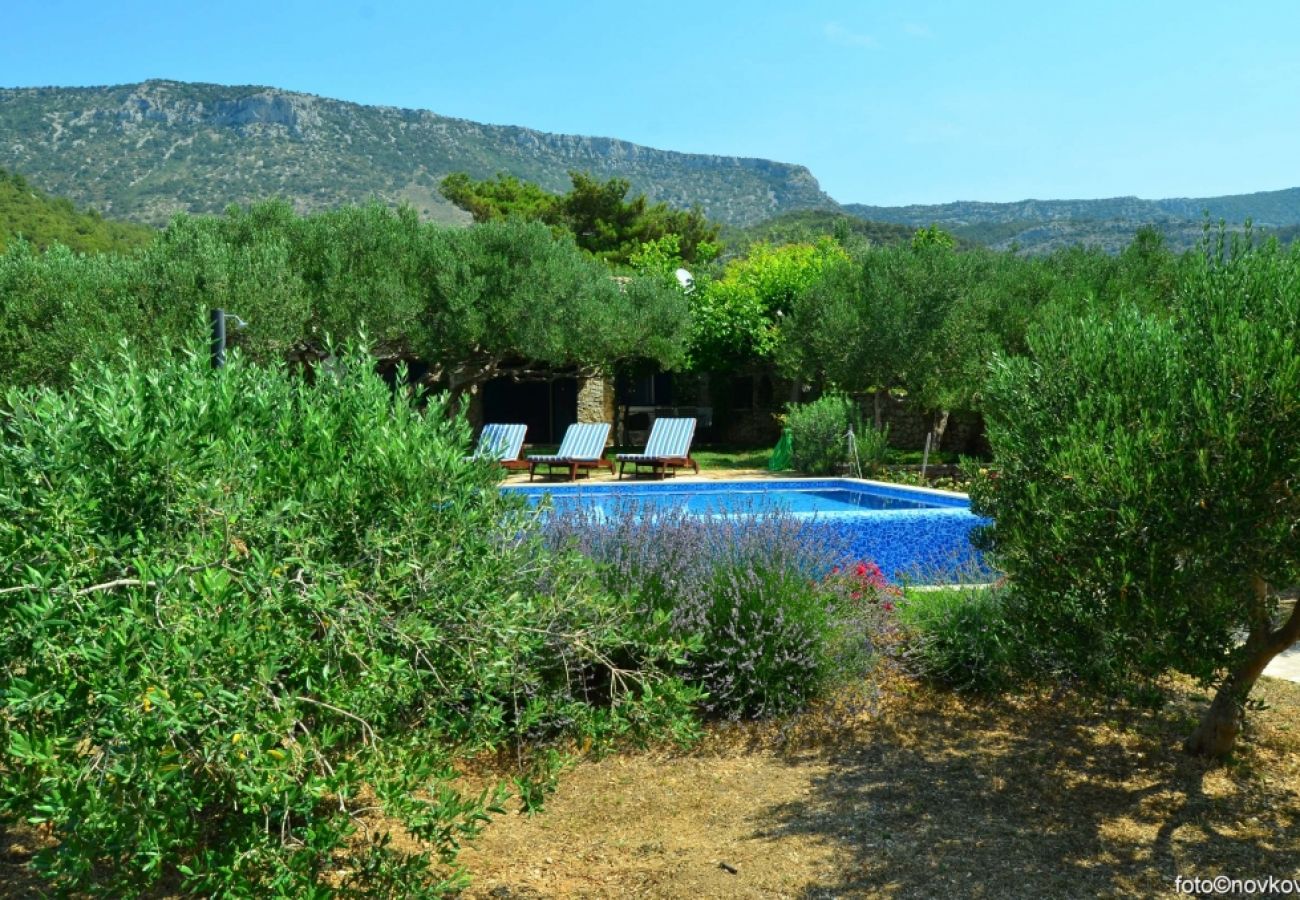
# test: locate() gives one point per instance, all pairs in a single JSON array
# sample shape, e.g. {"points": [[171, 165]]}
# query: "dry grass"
{"points": [[936, 795], [924, 794]]}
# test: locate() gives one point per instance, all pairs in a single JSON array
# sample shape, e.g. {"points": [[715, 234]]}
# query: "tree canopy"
{"points": [[596, 213], [737, 319], [502, 298]]}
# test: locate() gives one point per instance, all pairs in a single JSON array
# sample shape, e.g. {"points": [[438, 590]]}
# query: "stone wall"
{"points": [[909, 426]]}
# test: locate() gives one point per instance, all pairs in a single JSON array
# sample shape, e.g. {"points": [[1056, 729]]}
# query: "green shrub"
{"points": [[457, 299], [818, 433], [241, 608], [767, 616], [962, 637], [872, 446]]}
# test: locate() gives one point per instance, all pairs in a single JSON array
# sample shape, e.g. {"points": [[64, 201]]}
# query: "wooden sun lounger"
{"points": [[668, 447], [504, 444], [582, 450]]}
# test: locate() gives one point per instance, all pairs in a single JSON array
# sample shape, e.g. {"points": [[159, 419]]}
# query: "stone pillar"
{"points": [[596, 400]]}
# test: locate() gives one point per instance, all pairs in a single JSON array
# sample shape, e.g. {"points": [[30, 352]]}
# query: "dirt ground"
{"points": [[924, 794], [936, 795]]}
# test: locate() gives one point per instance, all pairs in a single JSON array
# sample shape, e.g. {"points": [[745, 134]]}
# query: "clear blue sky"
{"points": [[886, 102]]}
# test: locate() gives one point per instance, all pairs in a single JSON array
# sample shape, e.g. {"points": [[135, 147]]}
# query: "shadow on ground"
{"points": [[1045, 799], [17, 844]]}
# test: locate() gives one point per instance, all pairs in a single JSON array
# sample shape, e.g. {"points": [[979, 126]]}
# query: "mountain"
{"points": [[43, 220], [146, 151], [1044, 225]]}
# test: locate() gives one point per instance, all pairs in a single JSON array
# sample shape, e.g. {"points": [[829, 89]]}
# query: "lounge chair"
{"points": [[582, 449], [503, 443], [669, 447]]}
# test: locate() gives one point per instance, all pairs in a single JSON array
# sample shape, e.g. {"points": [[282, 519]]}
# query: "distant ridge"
{"points": [[1042, 225], [145, 151], [1265, 208]]}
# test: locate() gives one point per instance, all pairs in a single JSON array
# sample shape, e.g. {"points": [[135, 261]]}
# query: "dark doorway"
{"points": [[546, 407]]}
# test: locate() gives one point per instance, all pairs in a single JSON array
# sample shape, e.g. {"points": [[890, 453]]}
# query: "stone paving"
{"points": [[1287, 663]]}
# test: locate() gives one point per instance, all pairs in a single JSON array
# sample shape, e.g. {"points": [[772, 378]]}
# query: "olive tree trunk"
{"points": [[940, 426], [1217, 732]]}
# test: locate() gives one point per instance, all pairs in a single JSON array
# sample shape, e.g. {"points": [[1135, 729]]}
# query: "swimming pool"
{"points": [[919, 534]]}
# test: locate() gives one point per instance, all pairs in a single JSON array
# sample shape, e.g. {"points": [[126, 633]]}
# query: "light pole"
{"points": [[217, 317], [218, 338]]}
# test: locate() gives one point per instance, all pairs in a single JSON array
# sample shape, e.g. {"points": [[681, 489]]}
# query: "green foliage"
{"points": [[42, 221], [737, 319], [510, 290], [612, 228], [872, 444], [242, 608], [924, 322], [502, 197], [896, 319], [1148, 471], [933, 236], [471, 304], [819, 433], [963, 637], [594, 213]]}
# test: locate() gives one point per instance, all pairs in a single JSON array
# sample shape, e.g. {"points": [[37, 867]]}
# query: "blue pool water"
{"points": [[911, 533]]}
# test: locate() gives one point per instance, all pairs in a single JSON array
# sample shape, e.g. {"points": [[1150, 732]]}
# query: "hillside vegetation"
{"points": [[43, 220], [146, 151], [807, 225]]}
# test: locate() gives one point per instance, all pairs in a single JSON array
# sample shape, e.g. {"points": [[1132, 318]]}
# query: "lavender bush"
{"points": [[760, 600]]}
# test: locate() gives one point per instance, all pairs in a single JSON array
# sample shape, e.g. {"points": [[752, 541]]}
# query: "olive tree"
{"points": [[891, 320], [1146, 497], [512, 299], [501, 298]]}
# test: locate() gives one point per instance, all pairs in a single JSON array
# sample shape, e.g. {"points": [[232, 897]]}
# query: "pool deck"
{"points": [[1286, 665], [517, 478]]}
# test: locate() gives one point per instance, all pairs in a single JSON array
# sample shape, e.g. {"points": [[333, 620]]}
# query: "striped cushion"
{"points": [[668, 438], [582, 441], [503, 442]]}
